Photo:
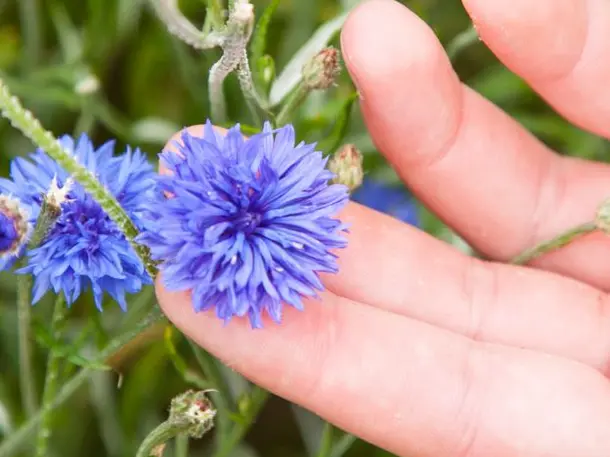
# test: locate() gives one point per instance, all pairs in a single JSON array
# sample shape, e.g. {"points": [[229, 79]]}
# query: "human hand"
{"points": [[416, 347]]}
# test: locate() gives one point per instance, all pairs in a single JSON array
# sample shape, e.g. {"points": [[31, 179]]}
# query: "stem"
{"points": [[258, 399], [21, 436], [462, 41], [181, 27], [29, 20], [255, 102], [215, 11], [158, 437], [23, 120], [214, 378], [50, 383], [26, 370], [182, 445], [298, 96], [554, 243], [343, 445], [326, 443]]}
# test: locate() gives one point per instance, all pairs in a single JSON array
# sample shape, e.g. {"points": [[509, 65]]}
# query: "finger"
{"points": [[560, 47], [395, 267], [408, 387], [465, 159]]}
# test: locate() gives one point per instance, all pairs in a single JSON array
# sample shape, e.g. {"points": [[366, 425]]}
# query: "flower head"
{"points": [[14, 227], [392, 200], [245, 224], [84, 248]]}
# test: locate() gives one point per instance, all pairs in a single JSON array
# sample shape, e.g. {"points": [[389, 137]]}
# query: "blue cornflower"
{"points": [[392, 200], [84, 249], [245, 224]]}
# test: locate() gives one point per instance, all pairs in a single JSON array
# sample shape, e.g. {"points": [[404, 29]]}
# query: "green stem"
{"points": [[343, 445], [554, 243], [23, 120], [30, 25], [182, 445], [326, 443], [159, 436], [297, 97], [215, 11], [50, 383], [26, 369], [214, 378], [17, 439], [258, 399], [462, 41]]}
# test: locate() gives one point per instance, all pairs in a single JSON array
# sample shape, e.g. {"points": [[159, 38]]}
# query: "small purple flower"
{"points": [[84, 249], [392, 200], [249, 224]]}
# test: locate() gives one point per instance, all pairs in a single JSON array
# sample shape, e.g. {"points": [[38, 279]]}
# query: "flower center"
{"points": [[8, 232], [246, 221]]}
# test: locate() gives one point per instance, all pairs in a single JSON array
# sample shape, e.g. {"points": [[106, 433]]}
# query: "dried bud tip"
{"points": [[14, 226], [194, 409], [243, 12], [320, 72], [346, 164]]}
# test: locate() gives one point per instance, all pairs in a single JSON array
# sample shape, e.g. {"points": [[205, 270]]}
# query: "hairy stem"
{"points": [[27, 380], [158, 437], [51, 377], [294, 101], [554, 243], [462, 41], [23, 120], [16, 440]]}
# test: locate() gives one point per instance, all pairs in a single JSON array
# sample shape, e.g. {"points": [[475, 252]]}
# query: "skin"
{"points": [[416, 347]]}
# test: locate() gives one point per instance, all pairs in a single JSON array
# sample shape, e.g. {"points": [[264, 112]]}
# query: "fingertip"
{"points": [[540, 40]]}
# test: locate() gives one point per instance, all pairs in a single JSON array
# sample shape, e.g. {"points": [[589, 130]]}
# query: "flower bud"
{"points": [[14, 226], [193, 409], [320, 72], [346, 164]]}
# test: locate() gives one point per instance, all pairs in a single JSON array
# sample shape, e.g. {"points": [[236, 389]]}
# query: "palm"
{"points": [[418, 348]]}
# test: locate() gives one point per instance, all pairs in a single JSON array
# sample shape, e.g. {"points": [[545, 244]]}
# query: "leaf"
{"points": [[259, 39], [70, 39], [291, 75]]}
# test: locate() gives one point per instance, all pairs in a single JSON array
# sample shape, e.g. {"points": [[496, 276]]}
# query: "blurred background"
{"points": [[110, 69]]}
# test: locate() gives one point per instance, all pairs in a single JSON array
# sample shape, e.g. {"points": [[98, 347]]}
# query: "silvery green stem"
{"points": [[182, 28], [14, 442], [295, 99], [559, 241], [23, 120], [461, 42], [219, 71], [26, 370], [246, 83], [50, 383]]}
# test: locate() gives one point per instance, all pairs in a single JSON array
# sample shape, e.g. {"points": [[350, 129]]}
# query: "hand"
{"points": [[416, 347]]}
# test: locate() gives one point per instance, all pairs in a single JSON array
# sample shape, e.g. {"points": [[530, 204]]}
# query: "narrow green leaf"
{"points": [[258, 45], [337, 135]]}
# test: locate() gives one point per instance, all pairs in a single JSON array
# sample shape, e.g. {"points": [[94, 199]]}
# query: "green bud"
{"points": [[346, 164], [192, 411], [320, 72]]}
